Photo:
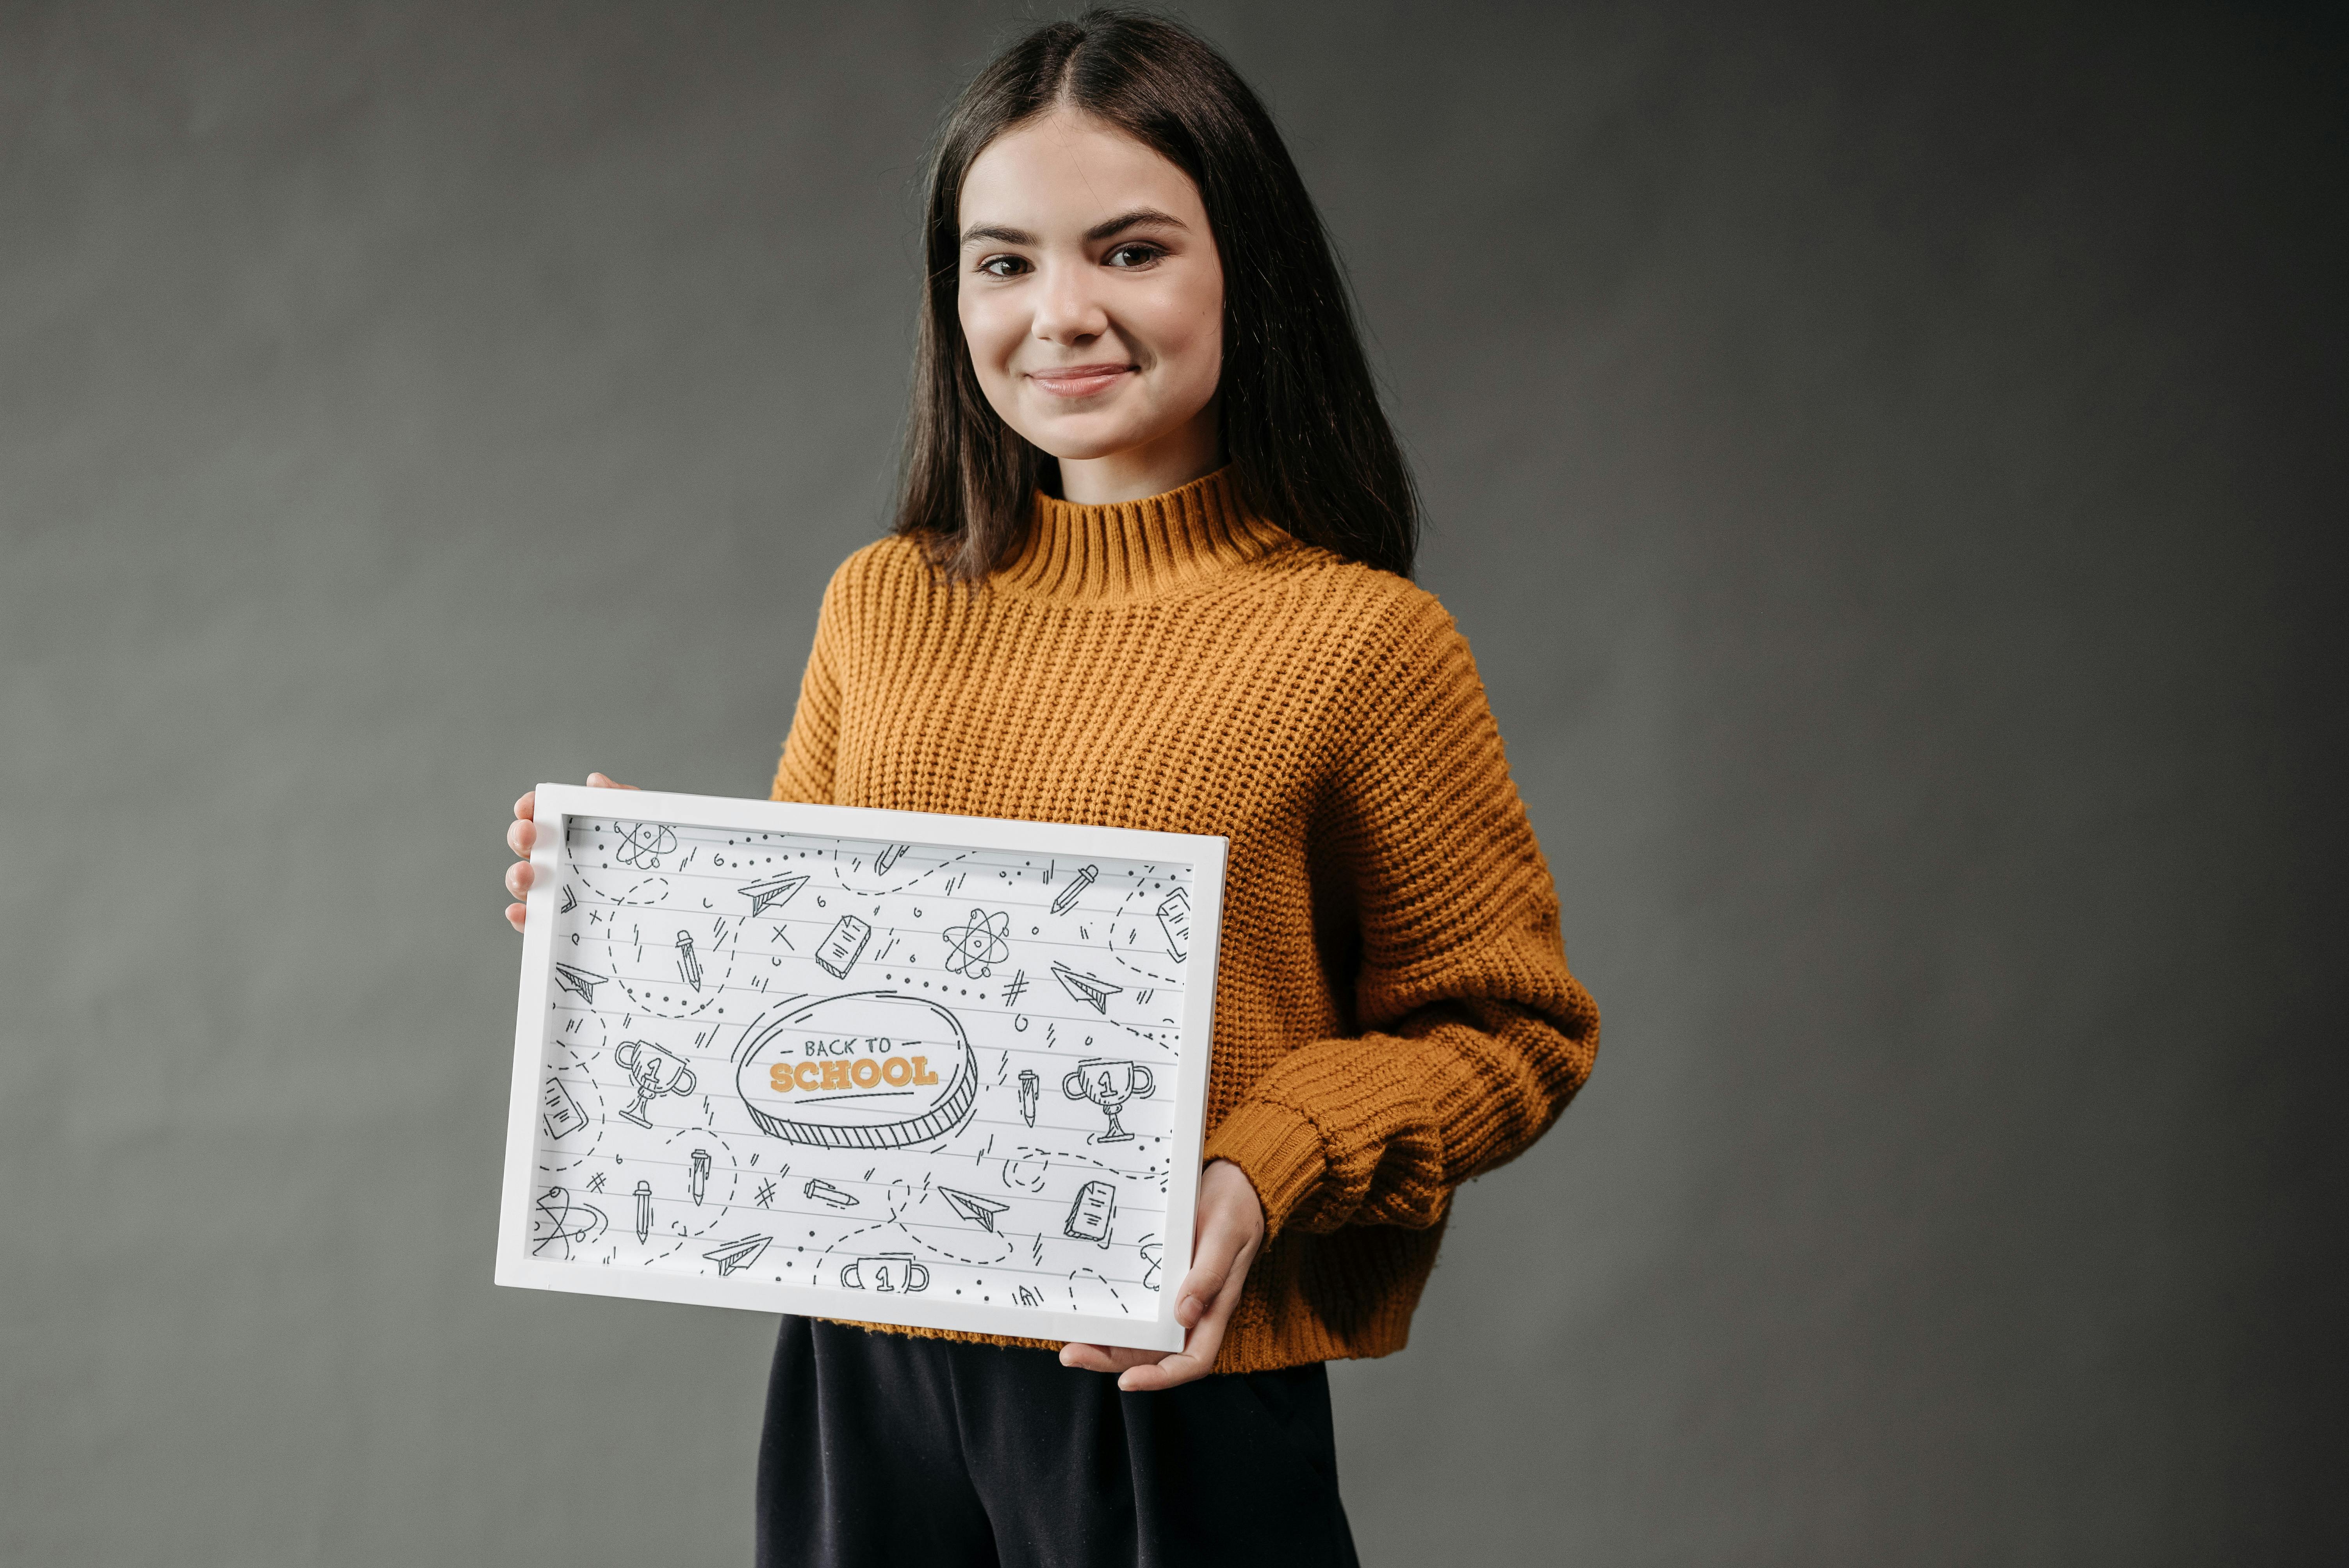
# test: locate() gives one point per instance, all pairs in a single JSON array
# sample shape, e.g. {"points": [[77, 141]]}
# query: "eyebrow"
{"points": [[1140, 217]]}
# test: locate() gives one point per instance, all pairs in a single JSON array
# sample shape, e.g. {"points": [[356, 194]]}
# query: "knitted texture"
{"points": [[1393, 1013]]}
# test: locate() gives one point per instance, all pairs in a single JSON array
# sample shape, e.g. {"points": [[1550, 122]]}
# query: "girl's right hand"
{"points": [[522, 835]]}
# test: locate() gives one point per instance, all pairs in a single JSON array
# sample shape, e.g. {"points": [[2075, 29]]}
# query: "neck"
{"points": [[1191, 451]]}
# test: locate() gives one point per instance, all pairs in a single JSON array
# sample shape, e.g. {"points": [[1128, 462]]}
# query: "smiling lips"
{"points": [[1079, 380]]}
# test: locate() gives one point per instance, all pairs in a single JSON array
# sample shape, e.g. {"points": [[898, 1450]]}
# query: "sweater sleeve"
{"points": [[805, 772], [1475, 1035]]}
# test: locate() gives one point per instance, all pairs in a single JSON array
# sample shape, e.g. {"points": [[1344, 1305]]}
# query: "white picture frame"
{"points": [[706, 1133]]}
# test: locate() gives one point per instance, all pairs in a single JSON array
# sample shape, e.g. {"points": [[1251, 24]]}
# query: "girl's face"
{"points": [[1092, 298]]}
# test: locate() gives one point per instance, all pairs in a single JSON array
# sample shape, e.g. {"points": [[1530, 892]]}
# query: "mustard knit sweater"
{"points": [[1393, 1013]]}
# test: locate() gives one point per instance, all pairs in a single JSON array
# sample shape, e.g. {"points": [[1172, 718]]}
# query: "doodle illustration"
{"points": [[738, 1254], [872, 1069], [979, 945], [642, 844], [1089, 988], [1174, 920], [571, 1225], [771, 891], [577, 981], [888, 1271], [570, 900], [1075, 890], [972, 1207], [842, 945], [1091, 1215], [793, 1025], [655, 1072], [558, 1111], [1109, 1085]]}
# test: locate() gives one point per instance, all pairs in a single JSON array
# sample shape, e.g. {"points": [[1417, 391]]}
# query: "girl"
{"points": [[1150, 568]]}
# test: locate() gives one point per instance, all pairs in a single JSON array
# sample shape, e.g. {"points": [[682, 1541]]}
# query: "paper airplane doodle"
{"points": [[558, 1111], [979, 945], [1075, 890], [825, 1193], [970, 1206], [1086, 987], [570, 900], [1174, 920], [842, 945], [738, 1254], [579, 982], [688, 967], [774, 890]]}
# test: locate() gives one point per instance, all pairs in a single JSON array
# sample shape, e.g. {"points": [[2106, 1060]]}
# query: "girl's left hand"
{"points": [[1228, 1231]]}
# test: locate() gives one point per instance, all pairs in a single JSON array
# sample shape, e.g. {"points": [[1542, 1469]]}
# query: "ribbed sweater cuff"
{"points": [[1278, 1150]]}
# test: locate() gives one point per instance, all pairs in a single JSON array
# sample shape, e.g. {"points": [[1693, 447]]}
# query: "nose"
{"points": [[1067, 313]]}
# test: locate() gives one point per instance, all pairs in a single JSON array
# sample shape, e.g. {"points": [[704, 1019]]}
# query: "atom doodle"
{"points": [[979, 946], [566, 1222], [642, 844]]}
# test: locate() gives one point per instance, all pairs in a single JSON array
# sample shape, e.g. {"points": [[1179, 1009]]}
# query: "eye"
{"points": [[1004, 266], [1133, 253]]}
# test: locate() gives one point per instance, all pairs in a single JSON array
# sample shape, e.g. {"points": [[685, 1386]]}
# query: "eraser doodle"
{"points": [[1091, 1215], [842, 945], [1174, 920]]}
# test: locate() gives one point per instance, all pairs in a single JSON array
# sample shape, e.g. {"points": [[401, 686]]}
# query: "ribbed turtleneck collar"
{"points": [[1138, 549]]}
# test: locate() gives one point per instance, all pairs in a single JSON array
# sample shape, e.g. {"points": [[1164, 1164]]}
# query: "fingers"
{"points": [[520, 834], [518, 879], [516, 913], [598, 781], [1111, 1358], [527, 807]]}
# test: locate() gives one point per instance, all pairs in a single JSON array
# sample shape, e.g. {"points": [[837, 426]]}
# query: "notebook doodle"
{"points": [[830, 1063]]}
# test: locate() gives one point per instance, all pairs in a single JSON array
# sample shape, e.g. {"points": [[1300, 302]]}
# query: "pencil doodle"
{"points": [[843, 945], [1088, 988], [771, 891], [1075, 890], [700, 1002], [579, 982], [738, 1254], [564, 1222], [642, 844], [979, 945], [559, 1113], [972, 1207]]}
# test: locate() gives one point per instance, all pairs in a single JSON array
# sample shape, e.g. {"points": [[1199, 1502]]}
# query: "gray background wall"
{"points": [[1886, 459]]}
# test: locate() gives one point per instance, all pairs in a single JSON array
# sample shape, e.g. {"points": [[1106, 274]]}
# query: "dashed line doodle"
{"points": [[803, 1060]]}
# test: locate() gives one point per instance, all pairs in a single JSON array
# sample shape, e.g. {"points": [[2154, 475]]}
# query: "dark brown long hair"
{"points": [[1309, 447]]}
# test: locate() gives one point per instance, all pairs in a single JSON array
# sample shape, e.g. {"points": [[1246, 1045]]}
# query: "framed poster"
{"points": [[942, 1071]]}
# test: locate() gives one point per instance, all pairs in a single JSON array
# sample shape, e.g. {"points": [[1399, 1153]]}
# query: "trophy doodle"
{"points": [[1109, 1085], [655, 1072]]}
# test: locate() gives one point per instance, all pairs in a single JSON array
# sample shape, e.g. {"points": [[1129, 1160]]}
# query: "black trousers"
{"points": [[880, 1449]]}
